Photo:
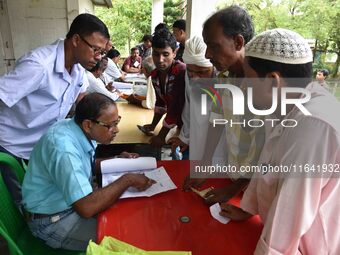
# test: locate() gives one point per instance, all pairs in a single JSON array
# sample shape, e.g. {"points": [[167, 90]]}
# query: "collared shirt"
{"points": [[99, 85], [59, 171], [194, 131], [300, 213], [179, 52], [143, 52], [113, 70], [133, 62], [35, 95], [244, 144], [170, 97]]}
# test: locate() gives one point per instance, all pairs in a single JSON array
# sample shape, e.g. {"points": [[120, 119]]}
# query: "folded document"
{"points": [[114, 168]]}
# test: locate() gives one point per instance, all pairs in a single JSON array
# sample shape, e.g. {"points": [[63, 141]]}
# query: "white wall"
{"points": [[157, 13], [75, 7], [32, 23], [197, 12], [36, 22]]}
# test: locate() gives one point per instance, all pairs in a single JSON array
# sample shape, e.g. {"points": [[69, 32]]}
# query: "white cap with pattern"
{"points": [[280, 45]]}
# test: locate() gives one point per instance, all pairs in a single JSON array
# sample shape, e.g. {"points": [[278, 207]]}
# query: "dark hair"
{"points": [[297, 75], [133, 49], [99, 65], [180, 24], [234, 20], [91, 106], [324, 72], [147, 38], [113, 53], [86, 24], [163, 38], [161, 26]]}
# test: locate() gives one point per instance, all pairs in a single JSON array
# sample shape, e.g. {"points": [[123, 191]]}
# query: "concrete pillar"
{"points": [[197, 12], [157, 13]]}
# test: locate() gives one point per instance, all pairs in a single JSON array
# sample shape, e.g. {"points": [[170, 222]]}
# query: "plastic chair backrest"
{"points": [[11, 221], [14, 165]]}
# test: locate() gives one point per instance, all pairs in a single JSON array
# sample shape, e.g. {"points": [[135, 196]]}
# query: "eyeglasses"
{"points": [[109, 127], [96, 51]]}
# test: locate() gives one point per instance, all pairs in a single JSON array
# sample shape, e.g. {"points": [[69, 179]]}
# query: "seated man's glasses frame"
{"points": [[108, 126]]}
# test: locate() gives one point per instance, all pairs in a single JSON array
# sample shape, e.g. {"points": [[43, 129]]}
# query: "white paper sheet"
{"points": [[122, 85], [126, 91], [135, 75], [215, 212], [163, 183], [127, 164]]}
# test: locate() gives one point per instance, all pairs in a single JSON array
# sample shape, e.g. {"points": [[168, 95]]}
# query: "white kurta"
{"points": [[98, 85], [300, 214], [195, 127]]}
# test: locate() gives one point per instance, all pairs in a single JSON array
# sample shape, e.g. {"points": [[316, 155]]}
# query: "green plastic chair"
{"points": [[14, 165], [13, 226]]}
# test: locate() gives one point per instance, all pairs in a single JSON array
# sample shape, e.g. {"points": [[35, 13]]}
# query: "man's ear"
{"points": [[275, 79], [175, 52], [75, 40], [239, 42], [86, 126]]}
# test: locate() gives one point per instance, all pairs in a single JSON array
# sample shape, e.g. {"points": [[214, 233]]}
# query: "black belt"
{"points": [[34, 216], [54, 217]]}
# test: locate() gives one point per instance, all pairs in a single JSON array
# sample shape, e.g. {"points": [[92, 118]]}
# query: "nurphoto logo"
{"points": [[238, 104]]}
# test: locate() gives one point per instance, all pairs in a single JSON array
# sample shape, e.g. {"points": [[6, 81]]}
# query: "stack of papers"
{"points": [[113, 169], [126, 88]]}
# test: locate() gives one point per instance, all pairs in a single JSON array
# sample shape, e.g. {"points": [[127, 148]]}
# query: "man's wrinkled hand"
{"points": [[192, 182], [140, 181]]}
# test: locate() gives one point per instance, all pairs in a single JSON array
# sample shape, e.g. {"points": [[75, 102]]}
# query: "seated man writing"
{"points": [[57, 189]]}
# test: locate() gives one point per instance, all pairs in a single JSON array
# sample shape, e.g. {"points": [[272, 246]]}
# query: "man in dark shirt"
{"points": [[169, 83], [145, 47], [178, 29]]}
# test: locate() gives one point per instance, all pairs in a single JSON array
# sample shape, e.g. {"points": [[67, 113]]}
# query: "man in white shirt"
{"points": [[100, 82], [45, 83], [113, 69]]}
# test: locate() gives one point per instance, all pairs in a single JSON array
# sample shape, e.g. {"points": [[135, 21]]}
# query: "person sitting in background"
{"points": [[100, 82], [168, 79], [113, 69], [58, 188], [321, 76], [134, 62], [145, 47], [149, 100], [178, 29], [299, 209]]}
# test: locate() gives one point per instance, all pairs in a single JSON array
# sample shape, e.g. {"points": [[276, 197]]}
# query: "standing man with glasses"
{"points": [[58, 189], [43, 86]]}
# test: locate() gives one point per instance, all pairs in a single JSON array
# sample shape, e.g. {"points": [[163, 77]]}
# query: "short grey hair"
{"points": [[148, 64]]}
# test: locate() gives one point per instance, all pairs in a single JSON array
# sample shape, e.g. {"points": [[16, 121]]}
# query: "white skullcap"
{"points": [[280, 45], [194, 52]]}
